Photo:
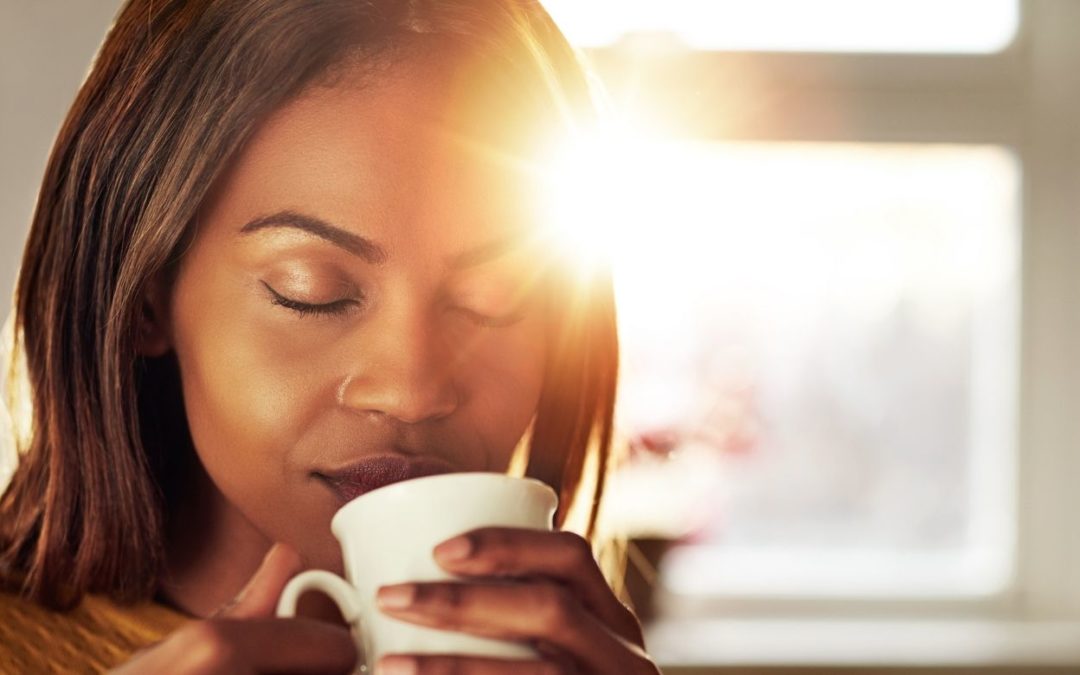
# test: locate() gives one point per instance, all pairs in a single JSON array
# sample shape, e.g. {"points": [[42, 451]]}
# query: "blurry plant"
{"points": [[730, 426]]}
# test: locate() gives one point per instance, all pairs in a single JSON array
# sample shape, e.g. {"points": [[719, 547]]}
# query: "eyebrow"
{"points": [[353, 243], [369, 250]]}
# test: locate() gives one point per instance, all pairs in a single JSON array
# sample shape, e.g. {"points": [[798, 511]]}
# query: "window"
{"points": [[830, 331], [846, 301]]}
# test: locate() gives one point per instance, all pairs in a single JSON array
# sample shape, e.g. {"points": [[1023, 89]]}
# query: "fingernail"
{"points": [[396, 597], [396, 665], [457, 548]]}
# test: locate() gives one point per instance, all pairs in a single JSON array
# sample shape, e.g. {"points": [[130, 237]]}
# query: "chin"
{"points": [[324, 554]]}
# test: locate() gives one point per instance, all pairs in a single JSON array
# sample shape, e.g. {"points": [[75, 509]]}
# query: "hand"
{"points": [[244, 637], [557, 600]]}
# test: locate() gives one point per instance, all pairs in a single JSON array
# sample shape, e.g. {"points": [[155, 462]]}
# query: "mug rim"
{"points": [[389, 491]]}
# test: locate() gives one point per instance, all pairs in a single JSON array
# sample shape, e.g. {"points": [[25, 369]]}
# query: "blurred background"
{"points": [[843, 236]]}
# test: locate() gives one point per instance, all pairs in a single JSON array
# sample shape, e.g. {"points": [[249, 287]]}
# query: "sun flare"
{"points": [[586, 184]]}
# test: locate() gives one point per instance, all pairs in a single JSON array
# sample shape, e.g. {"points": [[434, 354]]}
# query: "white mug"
{"points": [[387, 536]]}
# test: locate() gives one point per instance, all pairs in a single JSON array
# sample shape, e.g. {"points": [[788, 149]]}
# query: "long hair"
{"points": [[176, 89]]}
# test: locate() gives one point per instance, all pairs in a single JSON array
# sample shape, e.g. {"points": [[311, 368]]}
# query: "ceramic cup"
{"points": [[387, 536]]}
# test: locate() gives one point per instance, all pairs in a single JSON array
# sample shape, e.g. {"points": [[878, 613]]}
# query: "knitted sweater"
{"points": [[95, 636]]}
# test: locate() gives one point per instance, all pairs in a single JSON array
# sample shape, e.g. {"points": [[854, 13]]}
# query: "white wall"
{"points": [[46, 47]]}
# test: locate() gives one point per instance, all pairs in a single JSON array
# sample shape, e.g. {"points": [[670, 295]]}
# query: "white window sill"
{"points": [[915, 644]]}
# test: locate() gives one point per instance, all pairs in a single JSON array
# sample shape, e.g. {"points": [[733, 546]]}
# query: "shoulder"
{"points": [[95, 636]]}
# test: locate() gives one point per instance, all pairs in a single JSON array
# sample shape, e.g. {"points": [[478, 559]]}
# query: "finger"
{"points": [[259, 597], [249, 646], [529, 612], [449, 664], [563, 556]]}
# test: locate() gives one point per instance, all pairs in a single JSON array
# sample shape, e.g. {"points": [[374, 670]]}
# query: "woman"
{"points": [[279, 244]]}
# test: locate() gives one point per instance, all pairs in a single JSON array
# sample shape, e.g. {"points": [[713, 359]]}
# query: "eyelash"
{"points": [[485, 321], [338, 307], [308, 309]]}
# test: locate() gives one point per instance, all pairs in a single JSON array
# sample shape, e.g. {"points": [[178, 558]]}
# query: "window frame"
{"points": [[1024, 98]]}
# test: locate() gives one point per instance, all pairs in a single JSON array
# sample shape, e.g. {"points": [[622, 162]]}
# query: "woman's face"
{"points": [[358, 305]]}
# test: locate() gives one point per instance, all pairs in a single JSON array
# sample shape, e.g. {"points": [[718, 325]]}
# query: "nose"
{"points": [[402, 370]]}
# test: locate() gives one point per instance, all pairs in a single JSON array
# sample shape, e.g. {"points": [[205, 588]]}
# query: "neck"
{"points": [[211, 549]]}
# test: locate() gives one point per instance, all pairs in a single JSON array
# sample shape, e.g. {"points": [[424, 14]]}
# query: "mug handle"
{"points": [[331, 585]]}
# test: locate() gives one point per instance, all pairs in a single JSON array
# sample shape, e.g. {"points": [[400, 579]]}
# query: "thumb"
{"points": [[259, 597]]}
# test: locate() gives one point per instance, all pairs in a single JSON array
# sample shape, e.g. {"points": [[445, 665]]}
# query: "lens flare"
{"points": [[594, 185]]}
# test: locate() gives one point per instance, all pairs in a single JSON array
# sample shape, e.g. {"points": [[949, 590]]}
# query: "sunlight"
{"points": [[611, 196], [586, 182]]}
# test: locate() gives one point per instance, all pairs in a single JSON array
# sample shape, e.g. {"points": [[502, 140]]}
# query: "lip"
{"points": [[376, 471]]}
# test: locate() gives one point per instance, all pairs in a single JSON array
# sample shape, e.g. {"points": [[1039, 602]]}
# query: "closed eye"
{"points": [[488, 321], [332, 308]]}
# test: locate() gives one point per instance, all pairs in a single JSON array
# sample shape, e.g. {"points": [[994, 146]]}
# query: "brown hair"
{"points": [[176, 89]]}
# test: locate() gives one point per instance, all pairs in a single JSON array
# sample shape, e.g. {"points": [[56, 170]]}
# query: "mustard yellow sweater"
{"points": [[93, 637]]}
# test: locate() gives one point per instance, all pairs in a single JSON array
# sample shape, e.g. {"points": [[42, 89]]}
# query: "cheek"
{"points": [[247, 398], [504, 376]]}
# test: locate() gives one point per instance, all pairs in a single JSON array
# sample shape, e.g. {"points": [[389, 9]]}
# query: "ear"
{"points": [[154, 331]]}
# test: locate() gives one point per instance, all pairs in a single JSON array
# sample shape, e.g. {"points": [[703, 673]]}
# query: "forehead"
{"points": [[430, 145]]}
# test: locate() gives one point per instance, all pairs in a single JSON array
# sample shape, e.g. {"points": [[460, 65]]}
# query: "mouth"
{"points": [[374, 472]]}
